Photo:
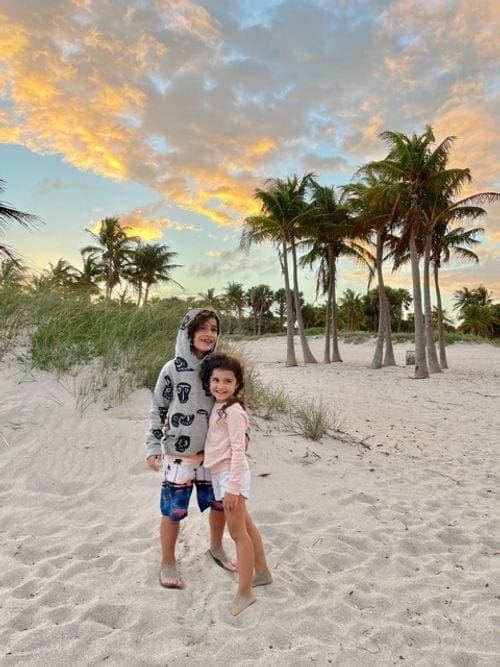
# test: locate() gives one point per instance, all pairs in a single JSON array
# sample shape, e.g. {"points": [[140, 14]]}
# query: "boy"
{"points": [[178, 423]]}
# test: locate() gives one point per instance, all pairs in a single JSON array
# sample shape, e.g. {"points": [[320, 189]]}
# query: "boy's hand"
{"points": [[230, 501], [154, 462]]}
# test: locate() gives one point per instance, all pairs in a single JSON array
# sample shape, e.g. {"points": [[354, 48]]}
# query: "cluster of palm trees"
{"points": [[260, 309], [404, 208], [235, 301], [114, 257], [478, 314]]}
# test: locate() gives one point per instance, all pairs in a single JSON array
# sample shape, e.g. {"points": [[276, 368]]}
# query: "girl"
{"points": [[225, 457]]}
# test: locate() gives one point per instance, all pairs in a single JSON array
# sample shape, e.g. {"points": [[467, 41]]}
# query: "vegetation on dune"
{"points": [[120, 347], [62, 333]]}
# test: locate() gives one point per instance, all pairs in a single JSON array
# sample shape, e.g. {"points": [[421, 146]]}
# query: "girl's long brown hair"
{"points": [[226, 363]]}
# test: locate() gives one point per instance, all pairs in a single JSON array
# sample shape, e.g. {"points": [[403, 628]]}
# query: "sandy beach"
{"points": [[384, 542]]}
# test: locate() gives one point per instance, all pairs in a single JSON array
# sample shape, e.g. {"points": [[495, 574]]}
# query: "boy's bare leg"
{"points": [[169, 531], [262, 574], [217, 522]]}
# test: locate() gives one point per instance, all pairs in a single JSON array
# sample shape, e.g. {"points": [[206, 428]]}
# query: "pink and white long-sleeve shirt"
{"points": [[225, 446]]}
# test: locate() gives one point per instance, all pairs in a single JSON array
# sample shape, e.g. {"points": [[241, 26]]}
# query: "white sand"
{"points": [[380, 557]]}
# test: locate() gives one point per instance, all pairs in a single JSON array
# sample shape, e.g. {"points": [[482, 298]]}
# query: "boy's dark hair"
{"points": [[198, 320], [226, 363]]}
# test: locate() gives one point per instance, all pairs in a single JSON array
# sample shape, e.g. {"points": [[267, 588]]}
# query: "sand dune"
{"points": [[380, 556]]}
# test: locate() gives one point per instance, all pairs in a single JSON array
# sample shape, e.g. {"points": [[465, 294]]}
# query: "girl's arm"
{"points": [[237, 424]]}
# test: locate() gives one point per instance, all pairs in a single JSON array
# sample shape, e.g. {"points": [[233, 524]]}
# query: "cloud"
{"points": [[143, 222], [202, 103], [233, 265], [486, 273]]}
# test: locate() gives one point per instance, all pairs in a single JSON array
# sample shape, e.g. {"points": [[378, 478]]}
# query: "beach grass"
{"points": [[314, 420], [117, 348]]}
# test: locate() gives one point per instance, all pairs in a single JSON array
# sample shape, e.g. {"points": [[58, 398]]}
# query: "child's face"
{"points": [[223, 385], [205, 337]]}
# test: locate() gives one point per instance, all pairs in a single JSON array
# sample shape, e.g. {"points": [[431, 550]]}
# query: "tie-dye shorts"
{"points": [[178, 480]]}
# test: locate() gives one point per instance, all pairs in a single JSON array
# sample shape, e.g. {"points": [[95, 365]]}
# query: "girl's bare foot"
{"points": [[262, 578], [240, 603]]}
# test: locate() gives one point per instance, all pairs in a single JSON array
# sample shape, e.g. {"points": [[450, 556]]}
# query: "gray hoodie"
{"points": [[178, 420]]}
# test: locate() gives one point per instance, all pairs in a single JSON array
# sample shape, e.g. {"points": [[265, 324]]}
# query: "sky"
{"points": [[169, 113]]}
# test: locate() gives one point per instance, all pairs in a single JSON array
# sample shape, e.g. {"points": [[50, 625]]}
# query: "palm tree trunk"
{"points": [[335, 339], [434, 366], [291, 359], [421, 370], [389, 350], [379, 347], [442, 347], [306, 350], [329, 309], [328, 323]]}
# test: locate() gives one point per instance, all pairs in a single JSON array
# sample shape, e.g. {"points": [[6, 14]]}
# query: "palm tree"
{"points": [[412, 167], [440, 210], [478, 320], [352, 307], [7, 214], [441, 319], [445, 243], [89, 276], [113, 251], [478, 296], [283, 209], [62, 274], [150, 264], [208, 299], [312, 316], [280, 300], [235, 298], [260, 299], [399, 299], [297, 230], [330, 235], [371, 202]]}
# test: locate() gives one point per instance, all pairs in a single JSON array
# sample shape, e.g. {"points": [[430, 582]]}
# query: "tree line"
{"points": [[403, 209]]}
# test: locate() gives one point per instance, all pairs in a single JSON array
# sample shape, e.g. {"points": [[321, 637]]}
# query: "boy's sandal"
{"points": [[170, 577]]}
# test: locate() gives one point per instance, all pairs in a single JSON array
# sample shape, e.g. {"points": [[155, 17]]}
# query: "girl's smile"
{"points": [[205, 337], [222, 385]]}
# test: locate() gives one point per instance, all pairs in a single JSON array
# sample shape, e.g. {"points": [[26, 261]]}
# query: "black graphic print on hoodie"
{"points": [[178, 419]]}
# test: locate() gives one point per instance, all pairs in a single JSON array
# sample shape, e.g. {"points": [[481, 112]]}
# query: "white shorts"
{"points": [[179, 471], [220, 482]]}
